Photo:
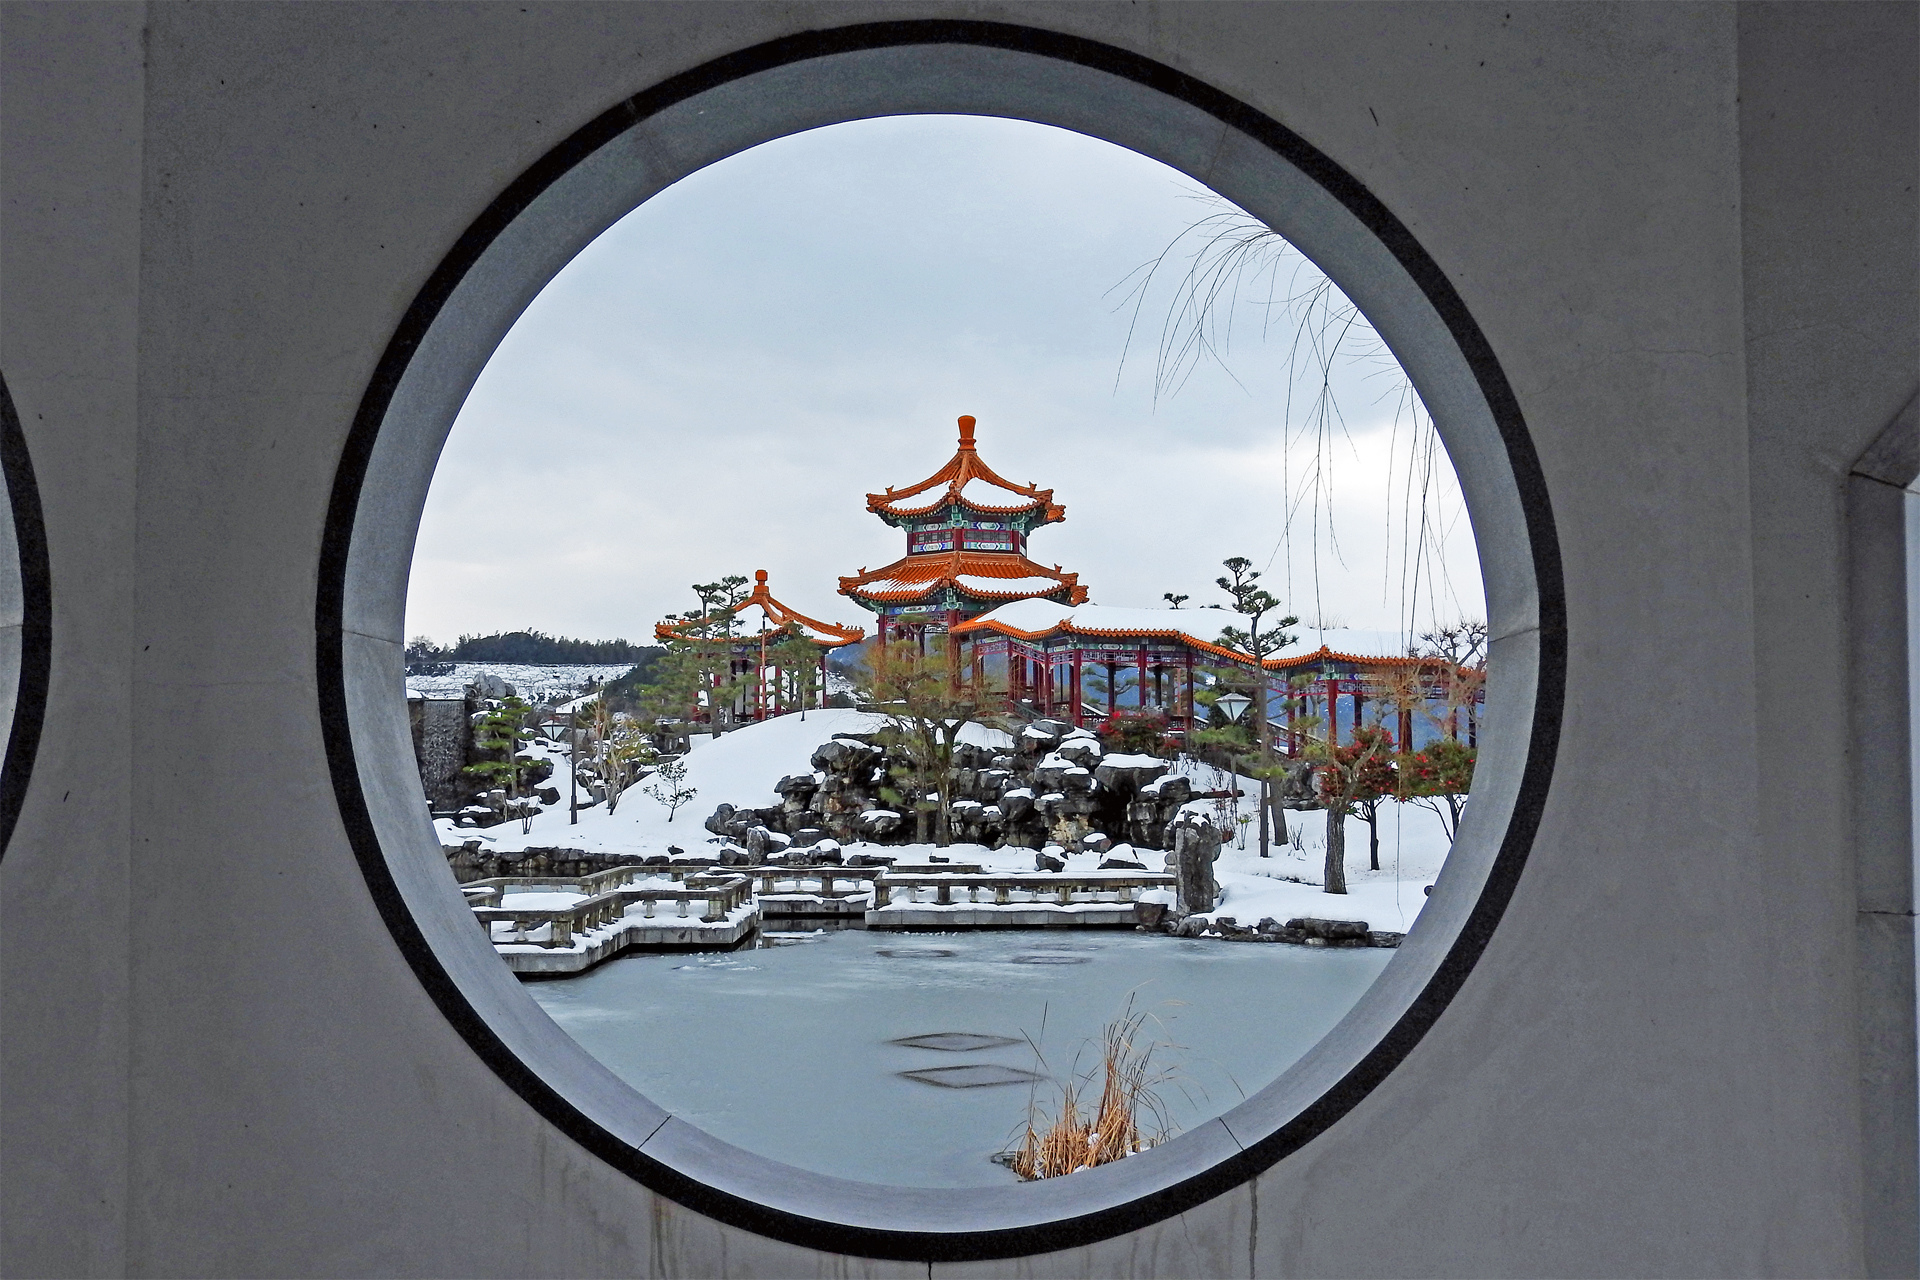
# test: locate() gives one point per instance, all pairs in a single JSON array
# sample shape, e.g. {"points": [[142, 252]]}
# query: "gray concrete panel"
{"points": [[71, 101]]}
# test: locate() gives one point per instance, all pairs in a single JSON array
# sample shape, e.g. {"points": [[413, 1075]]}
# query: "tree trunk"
{"points": [[1336, 873], [1265, 733], [1261, 804], [1373, 835]]}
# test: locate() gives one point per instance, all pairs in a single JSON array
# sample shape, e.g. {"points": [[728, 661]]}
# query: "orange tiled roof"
{"points": [[1373, 659], [971, 483], [828, 635], [986, 575]]}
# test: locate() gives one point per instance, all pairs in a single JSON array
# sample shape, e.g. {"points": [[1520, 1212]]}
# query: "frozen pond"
{"points": [[787, 1050]]}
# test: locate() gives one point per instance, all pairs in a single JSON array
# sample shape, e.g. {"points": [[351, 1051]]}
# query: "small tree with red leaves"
{"points": [[1438, 776], [1135, 732], [1348, 775], [1376, 777]]}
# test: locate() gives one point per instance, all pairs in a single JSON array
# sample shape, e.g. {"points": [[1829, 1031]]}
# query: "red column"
{"points": [[1187, 662], [1140, 687], [1074, 692]]}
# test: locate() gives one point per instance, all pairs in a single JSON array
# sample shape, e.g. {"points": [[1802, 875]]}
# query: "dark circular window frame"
{"points": [[357, 660], [32, 661]]}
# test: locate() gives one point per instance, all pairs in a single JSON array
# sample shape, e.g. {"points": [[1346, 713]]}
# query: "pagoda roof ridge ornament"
{"points": [[967, 481]]}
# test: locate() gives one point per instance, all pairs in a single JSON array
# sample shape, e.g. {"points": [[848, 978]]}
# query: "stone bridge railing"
{"points": [[833, 881], [1063, 889], [721, 895], [830, 877]]}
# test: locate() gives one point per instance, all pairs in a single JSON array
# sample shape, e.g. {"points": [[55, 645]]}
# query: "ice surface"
{"points": [[789, 1050]]}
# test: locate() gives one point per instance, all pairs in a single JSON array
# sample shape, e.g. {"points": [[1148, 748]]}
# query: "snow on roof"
{"points": [[980, 573], [774, 616], [966, 479], [982, 492], [1349, 641], [1005, 585], [1199, 627]]}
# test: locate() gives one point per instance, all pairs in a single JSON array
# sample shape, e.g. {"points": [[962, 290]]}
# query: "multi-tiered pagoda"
{"points": [[967, 531]]}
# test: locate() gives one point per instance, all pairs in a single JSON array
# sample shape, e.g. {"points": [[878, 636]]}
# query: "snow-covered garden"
{"points": [[743, 768]]}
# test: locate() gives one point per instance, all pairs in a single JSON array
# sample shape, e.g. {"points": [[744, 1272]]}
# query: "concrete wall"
{"points": [[1689, 235]]}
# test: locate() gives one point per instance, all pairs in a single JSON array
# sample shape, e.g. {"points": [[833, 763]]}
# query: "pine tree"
{"points": [[925, 705], [502, 729], [1254, 603]]}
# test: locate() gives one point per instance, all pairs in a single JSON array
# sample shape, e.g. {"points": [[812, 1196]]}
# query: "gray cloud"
{"points": [[714, 384]]}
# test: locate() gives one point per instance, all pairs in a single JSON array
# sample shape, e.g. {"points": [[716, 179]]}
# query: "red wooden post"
{"points": [[1140, 683], [1074, 692]]}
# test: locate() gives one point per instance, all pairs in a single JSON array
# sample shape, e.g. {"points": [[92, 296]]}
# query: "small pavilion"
{"points": [[967, 530], [766, 698]]}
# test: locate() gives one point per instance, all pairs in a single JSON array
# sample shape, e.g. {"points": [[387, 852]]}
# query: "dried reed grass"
{"points": [[1053, 1146]]}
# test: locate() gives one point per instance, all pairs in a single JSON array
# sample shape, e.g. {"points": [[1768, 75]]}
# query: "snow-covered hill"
{"points": [[739, 769]]}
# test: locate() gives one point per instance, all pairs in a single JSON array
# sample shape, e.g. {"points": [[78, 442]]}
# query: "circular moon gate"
{"points": [[638, 148]]}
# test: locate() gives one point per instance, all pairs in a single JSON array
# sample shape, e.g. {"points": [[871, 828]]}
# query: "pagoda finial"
{"points": [[760, 576], [966, 431]]}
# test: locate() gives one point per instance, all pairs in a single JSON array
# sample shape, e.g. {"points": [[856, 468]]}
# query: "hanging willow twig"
{"points": [[1227, 260]]}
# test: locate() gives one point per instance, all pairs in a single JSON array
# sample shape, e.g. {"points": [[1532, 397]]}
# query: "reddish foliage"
{"points": [[1371, 755], [1134, 732], [1445, 767]]}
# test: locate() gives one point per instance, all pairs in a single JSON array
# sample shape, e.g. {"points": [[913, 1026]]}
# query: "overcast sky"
{"points": [[714, 385]]}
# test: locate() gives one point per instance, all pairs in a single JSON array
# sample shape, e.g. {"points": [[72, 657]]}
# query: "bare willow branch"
{"points": [[1227, 260]]}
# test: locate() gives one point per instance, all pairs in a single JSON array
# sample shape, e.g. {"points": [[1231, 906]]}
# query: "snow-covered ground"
{"points": [[739, 769], [534, 682], [742, 767]]}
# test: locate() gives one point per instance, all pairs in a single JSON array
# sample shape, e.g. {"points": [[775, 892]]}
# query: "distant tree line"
{"points": [[533, 647]]}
